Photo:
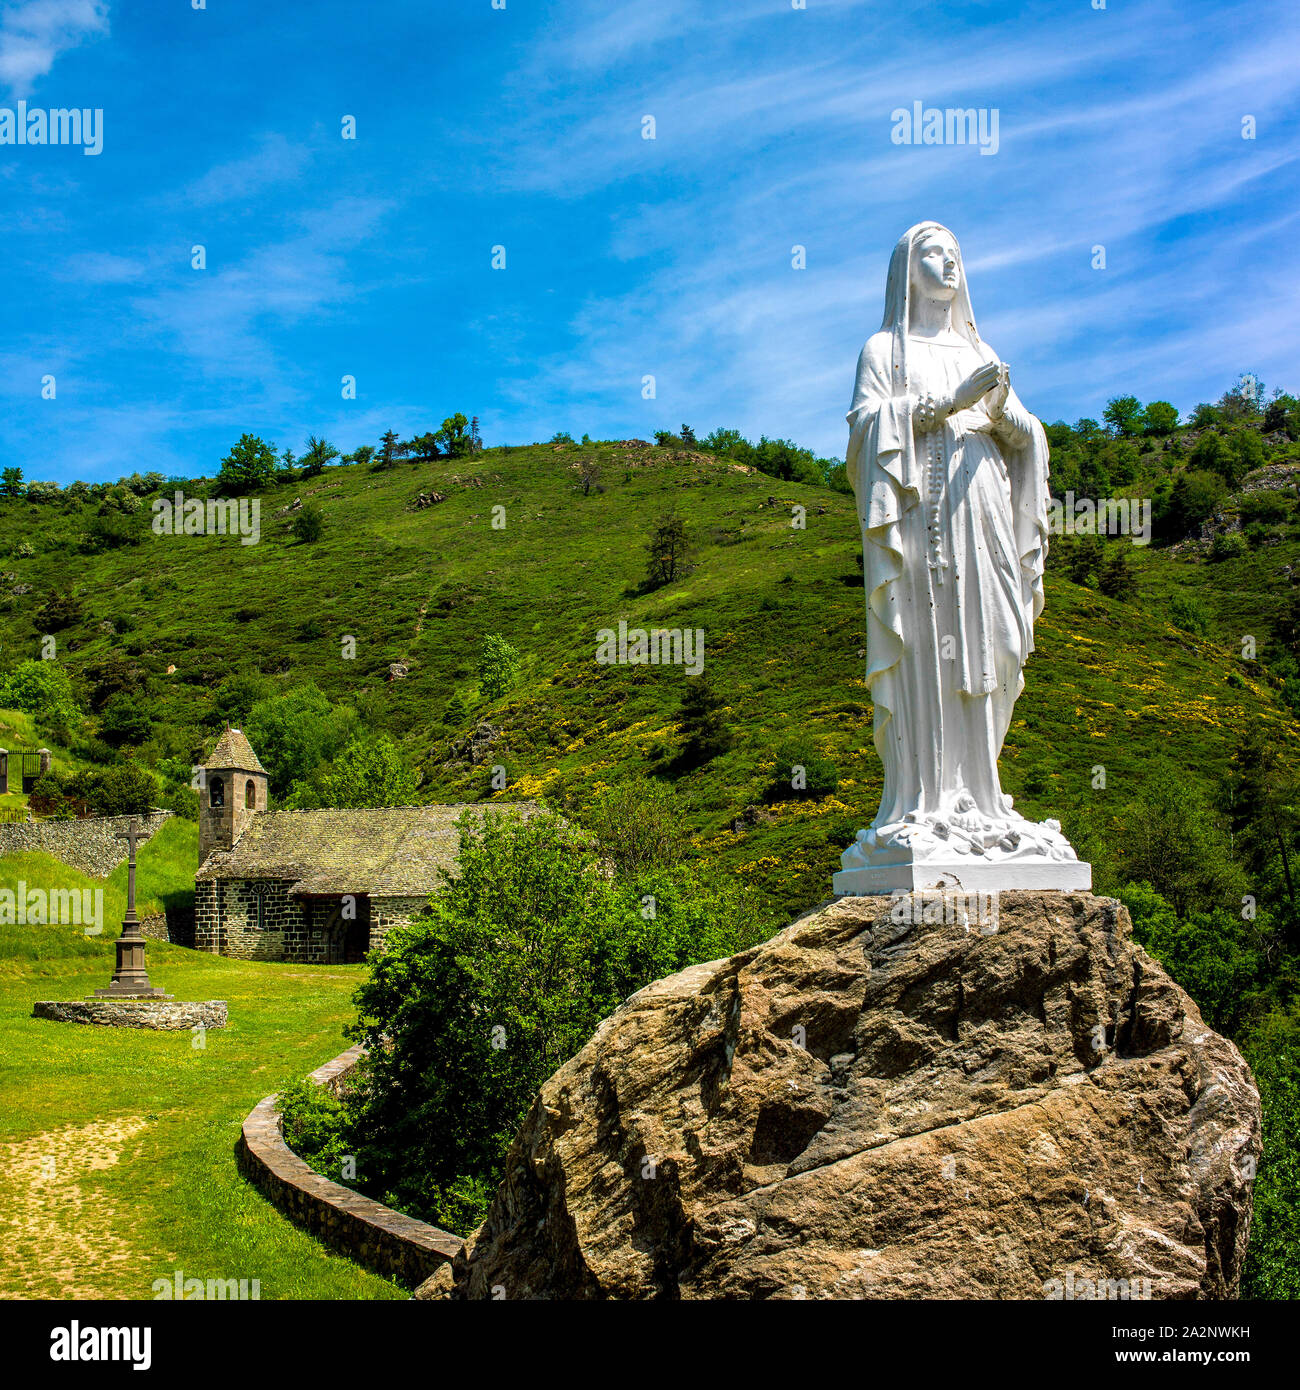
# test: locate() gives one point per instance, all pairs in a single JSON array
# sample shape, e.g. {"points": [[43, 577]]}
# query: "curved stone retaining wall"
{"points": [[396, 1246], [88, 845]]}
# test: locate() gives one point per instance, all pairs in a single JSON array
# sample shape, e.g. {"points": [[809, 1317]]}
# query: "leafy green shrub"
{"points": [[1268, 506], [802, 773], [1186, 611], [62, 609], [124, 720], [1227, 545], [122, 789], [638, 823], [1215, 955], [498, 664], [1272, 1048], [41, 688], [309, 525], [111, 531]]}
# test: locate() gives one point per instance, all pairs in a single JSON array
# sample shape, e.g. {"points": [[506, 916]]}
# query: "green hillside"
{"points": [[1113, 683]]}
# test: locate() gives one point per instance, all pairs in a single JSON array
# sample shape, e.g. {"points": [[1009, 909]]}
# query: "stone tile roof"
{"points": [[386, 851], [234, 750]]}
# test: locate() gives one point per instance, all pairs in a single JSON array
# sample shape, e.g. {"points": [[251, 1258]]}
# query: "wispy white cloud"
{"points": [[33, 33], [275, 162]]}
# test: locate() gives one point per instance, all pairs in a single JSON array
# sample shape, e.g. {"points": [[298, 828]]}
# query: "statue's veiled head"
{"points": [[934, 269], [926, 263]]}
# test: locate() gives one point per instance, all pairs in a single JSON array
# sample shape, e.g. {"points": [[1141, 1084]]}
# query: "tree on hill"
{"points": [[1231, 456], [667, 548], [318, 455], [1123, 415], [1244, 400], [588, 476], [724, 443], [1160, 418], [498, 664], [293, 733], [388, 446], [124, 720], [249, 465], [1170, 838], [423, 448], [1264, 800], [1116, 578], [11, 483], [454, 437], [364, 454], [1083, 560], [288, 465], [1283, 413], [1193, 498], [704, 732], [370, 771]]}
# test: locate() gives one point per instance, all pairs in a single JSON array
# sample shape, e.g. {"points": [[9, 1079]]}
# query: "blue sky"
{"points": [[625, 257]]}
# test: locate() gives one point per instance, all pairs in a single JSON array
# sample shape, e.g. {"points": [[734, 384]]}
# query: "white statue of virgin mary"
{"points": [[950, 475]]}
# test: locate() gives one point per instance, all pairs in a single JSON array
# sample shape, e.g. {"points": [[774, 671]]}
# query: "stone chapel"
{"points": [[317, 887]]}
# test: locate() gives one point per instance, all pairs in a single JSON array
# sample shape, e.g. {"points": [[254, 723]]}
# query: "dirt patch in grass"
{"points": [[60, 1231]]}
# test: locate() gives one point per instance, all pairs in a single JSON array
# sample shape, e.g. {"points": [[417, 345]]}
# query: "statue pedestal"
{"points": [[967, 873]]}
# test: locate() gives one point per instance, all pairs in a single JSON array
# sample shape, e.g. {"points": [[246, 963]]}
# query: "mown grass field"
{"points": [[117, 1162]]}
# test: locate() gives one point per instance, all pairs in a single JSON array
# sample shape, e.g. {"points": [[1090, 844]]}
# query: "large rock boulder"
{"points": [[874, 1106]]}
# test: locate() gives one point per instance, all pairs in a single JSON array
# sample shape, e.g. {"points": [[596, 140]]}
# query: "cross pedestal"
{"points": [[130, 979]]}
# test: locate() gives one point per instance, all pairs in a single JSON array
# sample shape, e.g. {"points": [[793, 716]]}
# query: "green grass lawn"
{"points": [[117, 1162]]}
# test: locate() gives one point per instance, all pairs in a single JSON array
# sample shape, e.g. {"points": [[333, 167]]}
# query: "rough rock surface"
{"points": [[868, 1108]]}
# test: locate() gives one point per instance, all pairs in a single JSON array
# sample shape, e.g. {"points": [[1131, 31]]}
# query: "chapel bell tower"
{"points": [[234, 788]]}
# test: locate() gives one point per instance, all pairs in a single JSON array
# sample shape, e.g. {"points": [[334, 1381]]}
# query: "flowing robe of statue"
{"points": [[953, 510]]}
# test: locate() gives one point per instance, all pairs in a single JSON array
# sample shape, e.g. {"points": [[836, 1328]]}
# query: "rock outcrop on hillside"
{"points": [[870, 1107]]}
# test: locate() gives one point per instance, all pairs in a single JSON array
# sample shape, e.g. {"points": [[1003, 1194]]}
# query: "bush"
{"points": [[62, 609], [120, 790], [1267, 506], [1186, 611], [123, 790], [802, 774], [639, 825], [110, 532], [1227, 546], [123, 720], [309, 525], [1272, 1048], [43, 689]]}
